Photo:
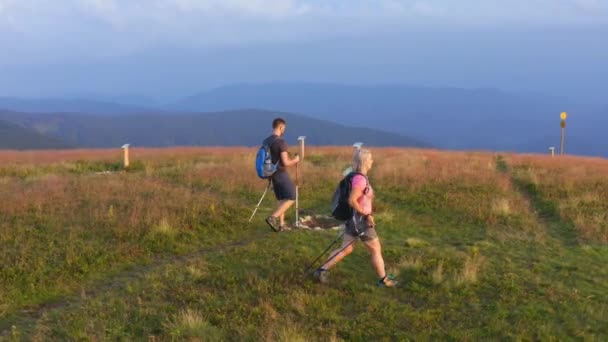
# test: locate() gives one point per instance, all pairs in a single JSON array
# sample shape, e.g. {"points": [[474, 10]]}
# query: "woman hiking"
{"points": [[361, 225]]}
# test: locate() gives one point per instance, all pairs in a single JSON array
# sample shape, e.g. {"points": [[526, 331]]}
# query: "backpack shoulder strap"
{"points": [[273, 141], [352, 175]]}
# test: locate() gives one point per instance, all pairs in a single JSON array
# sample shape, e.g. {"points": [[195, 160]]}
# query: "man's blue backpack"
{"points": [[263, 162]]}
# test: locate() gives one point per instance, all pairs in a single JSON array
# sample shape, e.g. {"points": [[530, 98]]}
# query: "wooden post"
{"points": [[301, 143], [125, 147], [302, 149]]}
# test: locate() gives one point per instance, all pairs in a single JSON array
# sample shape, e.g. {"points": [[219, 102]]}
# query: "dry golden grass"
{"points": [[470, 269], [438, 276], [577, 185], [191, 325]]}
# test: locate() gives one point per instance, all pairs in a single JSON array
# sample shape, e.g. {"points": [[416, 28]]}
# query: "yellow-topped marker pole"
{"points": [[563, 116]]}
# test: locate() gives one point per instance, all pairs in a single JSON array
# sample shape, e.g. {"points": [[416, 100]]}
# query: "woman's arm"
{"points": [[355, 194]]}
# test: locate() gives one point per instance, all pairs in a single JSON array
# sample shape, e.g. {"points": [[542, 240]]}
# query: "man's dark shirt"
{"points": [[277, 146]]}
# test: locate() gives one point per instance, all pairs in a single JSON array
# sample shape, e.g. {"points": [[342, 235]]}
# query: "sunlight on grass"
{"points": [[416, 243], [163, 228], [191, 324], [501, 206], [438, 275], [469, 274], [290, 333]]}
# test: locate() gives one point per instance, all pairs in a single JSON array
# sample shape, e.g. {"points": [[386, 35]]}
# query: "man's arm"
{"points": [[289, 161]]}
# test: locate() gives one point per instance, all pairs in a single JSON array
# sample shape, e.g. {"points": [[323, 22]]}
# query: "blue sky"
{"points": [[49, 38]]}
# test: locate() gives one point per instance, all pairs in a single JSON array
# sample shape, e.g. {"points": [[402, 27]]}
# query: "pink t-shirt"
{"points": [[365, 201]]}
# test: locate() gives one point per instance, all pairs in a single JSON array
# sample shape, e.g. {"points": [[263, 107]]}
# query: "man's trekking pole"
{"points": [[261, 199], [301, 143]]}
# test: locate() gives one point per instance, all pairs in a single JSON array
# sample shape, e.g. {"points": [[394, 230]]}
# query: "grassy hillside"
{"points": [[485, 246]]}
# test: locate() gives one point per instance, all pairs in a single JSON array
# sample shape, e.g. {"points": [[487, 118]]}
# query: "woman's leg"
{"points": [[375, 250], [335, 258]]}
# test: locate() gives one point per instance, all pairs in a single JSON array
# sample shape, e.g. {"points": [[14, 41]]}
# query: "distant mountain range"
{"points": [[231, 128], [401, 115], [67, 106], [450, 118], [14, 137]]}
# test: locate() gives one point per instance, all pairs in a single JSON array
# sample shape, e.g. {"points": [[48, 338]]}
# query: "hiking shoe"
{"points": [[272, 222], [322, 276], [285, 228], [388, 281]]}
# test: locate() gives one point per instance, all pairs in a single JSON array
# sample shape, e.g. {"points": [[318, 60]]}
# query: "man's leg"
{"points": [[285, 192], [282, 207]]}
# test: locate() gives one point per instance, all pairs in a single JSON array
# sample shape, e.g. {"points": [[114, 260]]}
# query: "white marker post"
{"points": [[552, 149], [301, 140], [125, 147]]}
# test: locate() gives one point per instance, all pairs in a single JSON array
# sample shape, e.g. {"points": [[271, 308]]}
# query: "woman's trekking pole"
{"points": [[261, 199], [340, 251], [325, 251]]}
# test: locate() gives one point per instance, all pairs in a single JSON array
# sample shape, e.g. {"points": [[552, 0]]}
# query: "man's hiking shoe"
{"points": [[388, 281], [272, 222], [322, 276]]}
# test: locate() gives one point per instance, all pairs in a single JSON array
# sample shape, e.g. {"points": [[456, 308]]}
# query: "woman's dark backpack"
{"points": [[340, 208]]}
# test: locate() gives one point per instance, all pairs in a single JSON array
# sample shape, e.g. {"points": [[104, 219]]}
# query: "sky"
{"points": [[168, 48]]}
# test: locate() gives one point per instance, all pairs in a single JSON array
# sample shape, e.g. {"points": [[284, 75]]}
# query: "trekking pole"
{"points": [[325, 251], [261, 199], [340, 251], [297, 196]]}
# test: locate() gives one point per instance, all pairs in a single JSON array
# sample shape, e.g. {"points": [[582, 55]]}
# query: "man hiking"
{"points": [[284, 189], [361, 225]]}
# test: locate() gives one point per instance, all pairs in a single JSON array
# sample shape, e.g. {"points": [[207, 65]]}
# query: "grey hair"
{"points": [[359, 157]]}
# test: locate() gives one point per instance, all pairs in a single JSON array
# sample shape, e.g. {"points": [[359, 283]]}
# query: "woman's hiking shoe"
{"points": [[322, 276], [388, 281], [272, 222]]}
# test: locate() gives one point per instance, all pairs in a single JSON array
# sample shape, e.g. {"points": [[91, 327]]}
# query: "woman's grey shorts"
{"points": [[359, 224]]}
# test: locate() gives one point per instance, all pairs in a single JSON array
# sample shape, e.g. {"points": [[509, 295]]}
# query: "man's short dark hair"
{"points": [[278, 121]]}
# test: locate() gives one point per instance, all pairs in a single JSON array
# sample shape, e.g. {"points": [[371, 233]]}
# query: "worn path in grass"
{"points": [[28, 318], [546, 212]]}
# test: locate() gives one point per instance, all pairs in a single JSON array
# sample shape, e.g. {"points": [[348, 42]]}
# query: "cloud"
{"points": [[114, 27]]}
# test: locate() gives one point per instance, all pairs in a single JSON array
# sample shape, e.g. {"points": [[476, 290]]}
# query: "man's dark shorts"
{"points": [[284, 189]]}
